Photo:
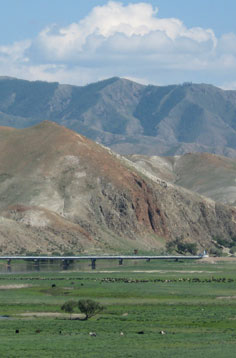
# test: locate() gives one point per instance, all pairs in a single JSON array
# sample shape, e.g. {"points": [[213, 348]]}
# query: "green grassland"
{"points": [[194, 303]]}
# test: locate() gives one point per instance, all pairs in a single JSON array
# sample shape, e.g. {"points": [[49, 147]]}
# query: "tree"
{"points": [[69, 306], [181, 246], [186, 247], [89, 308]]}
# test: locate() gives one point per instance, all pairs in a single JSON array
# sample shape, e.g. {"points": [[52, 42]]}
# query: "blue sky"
{"points": [[79, 42]]}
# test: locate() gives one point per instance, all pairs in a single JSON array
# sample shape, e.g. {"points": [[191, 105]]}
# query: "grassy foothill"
{"points": [[157, 309]]}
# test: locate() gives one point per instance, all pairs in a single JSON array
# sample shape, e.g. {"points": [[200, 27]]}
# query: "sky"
{"points": [[152, 42]]}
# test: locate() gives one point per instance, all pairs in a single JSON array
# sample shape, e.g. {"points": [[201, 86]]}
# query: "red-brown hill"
{"points": [[60, 192]]}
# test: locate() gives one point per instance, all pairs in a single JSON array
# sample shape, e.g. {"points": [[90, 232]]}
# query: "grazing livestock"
{"points": [[92, 334]]}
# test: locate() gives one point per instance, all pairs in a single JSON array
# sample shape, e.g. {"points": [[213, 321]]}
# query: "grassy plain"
{"points": [[194, 303]]}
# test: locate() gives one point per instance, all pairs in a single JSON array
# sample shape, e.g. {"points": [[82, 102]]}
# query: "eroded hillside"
{"points": [[60, 192], [207, 174]]}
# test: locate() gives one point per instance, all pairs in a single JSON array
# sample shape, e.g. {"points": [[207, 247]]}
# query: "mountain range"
{"points": [[128, 117], [61, 192]]}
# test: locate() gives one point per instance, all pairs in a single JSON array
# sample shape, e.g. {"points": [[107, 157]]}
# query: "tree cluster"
{"points": [[182, 247], [88, 307]]}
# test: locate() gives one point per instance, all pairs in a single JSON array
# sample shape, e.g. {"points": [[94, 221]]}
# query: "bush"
{"points": [[215, 252], [224, 242], [69, 307], [233, 250], [182, 247]]}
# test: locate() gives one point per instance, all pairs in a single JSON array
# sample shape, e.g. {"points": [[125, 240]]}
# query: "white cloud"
{"points": [[119, 28], [122, 40], [14, 52], [227, 43]]}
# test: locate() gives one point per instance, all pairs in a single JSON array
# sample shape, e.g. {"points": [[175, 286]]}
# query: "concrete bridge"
{"points": [[93, 258]]}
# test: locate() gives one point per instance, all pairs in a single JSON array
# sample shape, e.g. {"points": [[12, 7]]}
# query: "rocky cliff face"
{"points": [[60, 192], [204, 173]]}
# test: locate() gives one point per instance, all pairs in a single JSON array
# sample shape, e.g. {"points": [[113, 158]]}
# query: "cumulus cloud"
{"points": [[227, 44], [15, 52], [116, 28], [123, 40]]}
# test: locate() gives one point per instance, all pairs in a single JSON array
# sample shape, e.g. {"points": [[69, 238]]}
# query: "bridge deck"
{"points": [[105, 257]]}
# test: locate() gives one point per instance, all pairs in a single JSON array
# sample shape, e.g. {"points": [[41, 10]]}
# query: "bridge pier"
{"points": [[148, 260], [36, 265], [65, 264], [93, 264], [9, 265], [120, 261]]}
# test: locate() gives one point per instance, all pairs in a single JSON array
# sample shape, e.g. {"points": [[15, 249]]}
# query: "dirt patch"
{"points": [[51, 314], [226, 298], [147, 271], [217, 259], [13, 287], [174, 271]]}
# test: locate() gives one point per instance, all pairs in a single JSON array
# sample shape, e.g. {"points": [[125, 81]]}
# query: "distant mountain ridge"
{"points": [[127, 116]]}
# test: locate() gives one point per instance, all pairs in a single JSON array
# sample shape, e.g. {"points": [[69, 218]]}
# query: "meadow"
{"points": [[193, 303]]}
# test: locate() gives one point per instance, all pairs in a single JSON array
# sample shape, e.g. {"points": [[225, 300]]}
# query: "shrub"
{"points": [[215, 252], [233, 249], [186, 247], [182, 247], [223, 242], [69, 307]]}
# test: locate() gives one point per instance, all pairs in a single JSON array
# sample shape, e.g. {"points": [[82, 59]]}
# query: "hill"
{"points": [[128, 117], [207, 174], [61, 192]]}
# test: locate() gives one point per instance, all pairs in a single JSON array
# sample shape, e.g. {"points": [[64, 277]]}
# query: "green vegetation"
{"points": [[181, 247], [221, 243], [193, 303], [90, 308], [226, 243], [69, 307]]}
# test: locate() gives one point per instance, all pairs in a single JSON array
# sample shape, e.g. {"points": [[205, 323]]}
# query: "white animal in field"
{"points": [[93, 334]]}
